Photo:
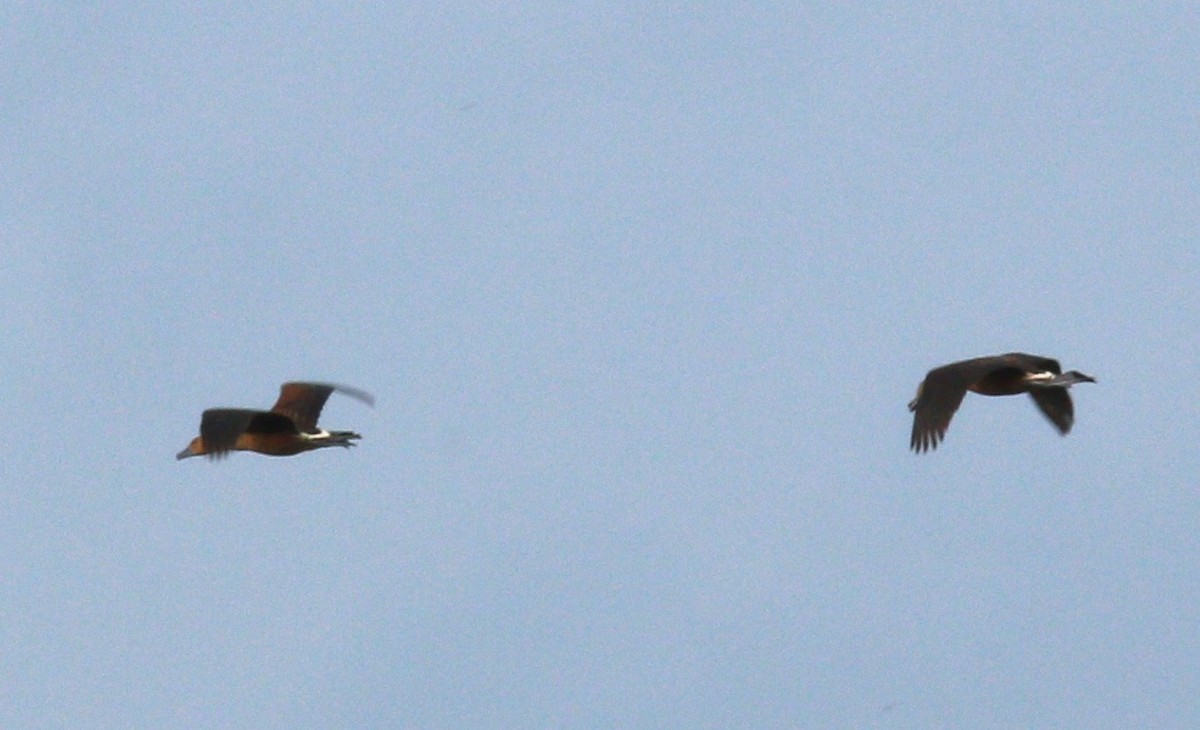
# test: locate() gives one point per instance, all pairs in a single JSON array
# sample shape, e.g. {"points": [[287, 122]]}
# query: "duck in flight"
{"points": [[289, 428], [939, 395]]}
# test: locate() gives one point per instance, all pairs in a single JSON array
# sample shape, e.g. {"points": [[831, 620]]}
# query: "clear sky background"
{"points": [[642, 290]]}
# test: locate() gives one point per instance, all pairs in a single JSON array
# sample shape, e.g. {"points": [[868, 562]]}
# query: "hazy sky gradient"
{"points": [[642, 290]]}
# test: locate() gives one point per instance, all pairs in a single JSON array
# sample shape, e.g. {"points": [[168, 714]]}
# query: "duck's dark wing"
{"points": [[302, 402], [940, 395], [220, 427], [1056, 404]]}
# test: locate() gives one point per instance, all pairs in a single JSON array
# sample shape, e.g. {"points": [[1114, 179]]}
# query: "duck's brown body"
{"points": [[289, 428], [942, 391]]}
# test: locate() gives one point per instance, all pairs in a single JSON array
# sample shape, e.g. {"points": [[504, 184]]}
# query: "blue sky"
{"points": [[642, 291]]}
